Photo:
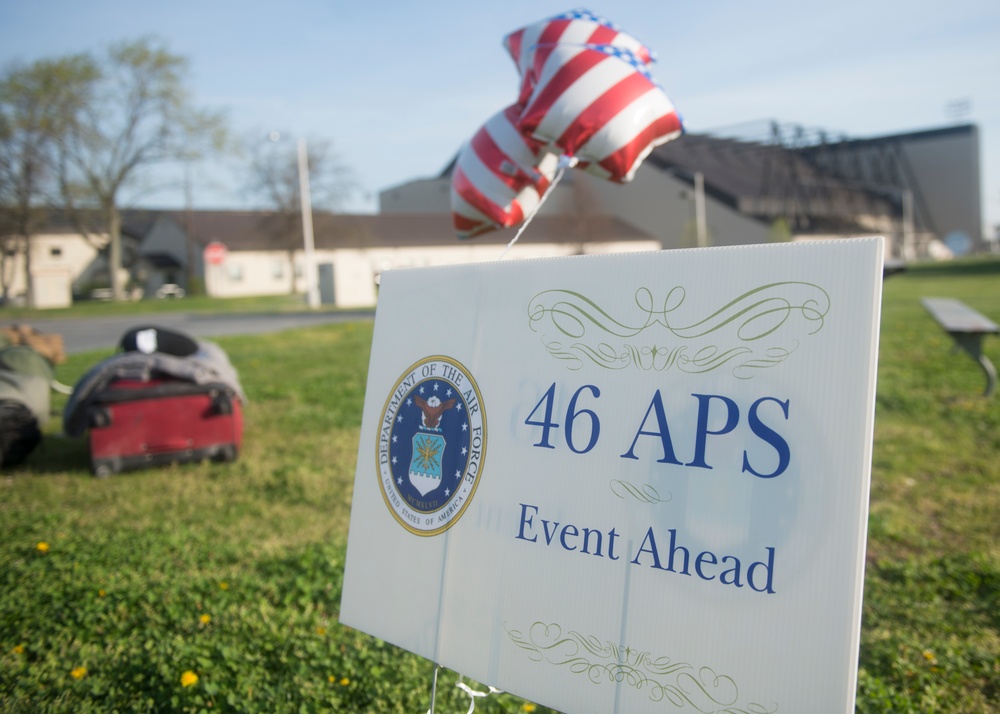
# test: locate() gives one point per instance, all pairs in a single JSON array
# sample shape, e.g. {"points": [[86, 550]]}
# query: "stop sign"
{"points": [[215, 253]]}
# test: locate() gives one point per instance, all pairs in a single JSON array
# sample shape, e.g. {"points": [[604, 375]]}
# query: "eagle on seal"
{"points": [[433, 408]]}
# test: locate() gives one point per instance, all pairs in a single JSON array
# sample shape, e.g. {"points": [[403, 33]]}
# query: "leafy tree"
{"points": [[274, 178], [37, 105], [138, 114]]}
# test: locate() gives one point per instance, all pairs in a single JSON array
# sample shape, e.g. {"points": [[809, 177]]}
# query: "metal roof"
{"points": [[262, 230]]}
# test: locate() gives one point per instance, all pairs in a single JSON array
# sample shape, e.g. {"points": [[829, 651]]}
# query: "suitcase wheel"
{"points": [[225, 453], [105, 469]]}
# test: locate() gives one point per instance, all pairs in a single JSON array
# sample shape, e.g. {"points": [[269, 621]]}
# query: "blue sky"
{"points": [[399, 86]]}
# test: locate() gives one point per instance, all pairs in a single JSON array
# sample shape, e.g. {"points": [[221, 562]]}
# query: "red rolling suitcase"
{"points": [[135, 424]]}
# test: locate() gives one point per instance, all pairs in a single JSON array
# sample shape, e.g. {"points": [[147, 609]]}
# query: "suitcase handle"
{"points": [[98, 418], [222, 403], [179, 444], [169, 388]]}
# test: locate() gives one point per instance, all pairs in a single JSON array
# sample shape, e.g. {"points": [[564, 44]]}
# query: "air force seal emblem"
{"points": [[431, 445]]}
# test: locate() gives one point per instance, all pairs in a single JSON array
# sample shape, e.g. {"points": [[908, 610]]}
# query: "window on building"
{"points": [[235, 271], [278, 269], [55, 251]]}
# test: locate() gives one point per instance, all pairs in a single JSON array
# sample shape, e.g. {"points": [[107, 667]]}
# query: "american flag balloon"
{"points": [[499, 176], [599, 104], [586, 100], [577, 27]]}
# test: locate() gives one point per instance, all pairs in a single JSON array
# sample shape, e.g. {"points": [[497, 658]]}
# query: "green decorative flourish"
{"points": [[762, 326], [645, 493], [676, 683]]}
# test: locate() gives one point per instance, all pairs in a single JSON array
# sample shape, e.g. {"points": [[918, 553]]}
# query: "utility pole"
{"points": [[699, 209], [189, 271], [909, 249], [312, 289]]}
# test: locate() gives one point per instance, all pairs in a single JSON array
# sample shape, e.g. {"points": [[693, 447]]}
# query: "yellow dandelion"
{"points": [[224, 585], [78, 672], [320, 631], [189, 679], [18, 649], [42, 547], [528, 707], [344, 681], [101, 593], [929, 656], [205, 618], [331, 679]]}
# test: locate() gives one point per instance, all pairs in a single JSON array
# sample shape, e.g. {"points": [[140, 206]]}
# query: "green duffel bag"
{"points": [[31, 390], [25, 360]]}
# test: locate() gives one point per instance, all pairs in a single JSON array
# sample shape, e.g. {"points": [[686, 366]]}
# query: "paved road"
{"points": [[90, 333]]}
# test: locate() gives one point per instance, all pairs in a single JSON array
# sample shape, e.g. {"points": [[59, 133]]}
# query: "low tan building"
{"points": [[60, 258], [352, 251]]}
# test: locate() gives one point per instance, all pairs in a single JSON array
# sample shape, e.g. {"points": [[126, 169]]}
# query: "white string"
{"points": [[60, 387], [465, 688], [473, 694], [565, 162]]}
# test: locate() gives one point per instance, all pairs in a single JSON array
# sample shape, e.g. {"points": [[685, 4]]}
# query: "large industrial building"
{"points": [[770, 182]]}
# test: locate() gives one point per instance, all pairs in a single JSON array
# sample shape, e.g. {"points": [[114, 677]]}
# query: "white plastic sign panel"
{"points": [[629, 483]]}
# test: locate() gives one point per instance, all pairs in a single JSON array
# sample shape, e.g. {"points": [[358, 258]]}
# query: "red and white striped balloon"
{"points": [[586, 99], [499, 177], [578, 27], [598, 104]]}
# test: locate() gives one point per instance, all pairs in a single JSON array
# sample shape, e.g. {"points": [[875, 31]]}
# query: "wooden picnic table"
{"points": [[968, 328]]}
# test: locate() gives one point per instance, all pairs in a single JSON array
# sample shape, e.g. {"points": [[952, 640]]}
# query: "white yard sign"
{"points": [[631, 483]]}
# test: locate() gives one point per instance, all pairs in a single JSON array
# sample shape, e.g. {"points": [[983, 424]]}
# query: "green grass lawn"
{"points": [[215, 587]]}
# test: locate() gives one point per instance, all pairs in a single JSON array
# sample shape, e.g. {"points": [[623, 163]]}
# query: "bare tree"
{"points": [[37, 105], [139, 114], [274, 178]]}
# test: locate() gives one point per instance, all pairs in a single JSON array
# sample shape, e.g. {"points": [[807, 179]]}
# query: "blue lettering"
{"points": [[701, 437], [656, 405], [570, 530], [549, 536], [651, 550], [567, 536], [770, 436], [733, 572], [526, 521], [674, 548], [704, 557], [768, 568]]}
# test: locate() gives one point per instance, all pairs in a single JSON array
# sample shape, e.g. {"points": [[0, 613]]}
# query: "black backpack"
{"points": [[25, 383], [19, 432]]}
